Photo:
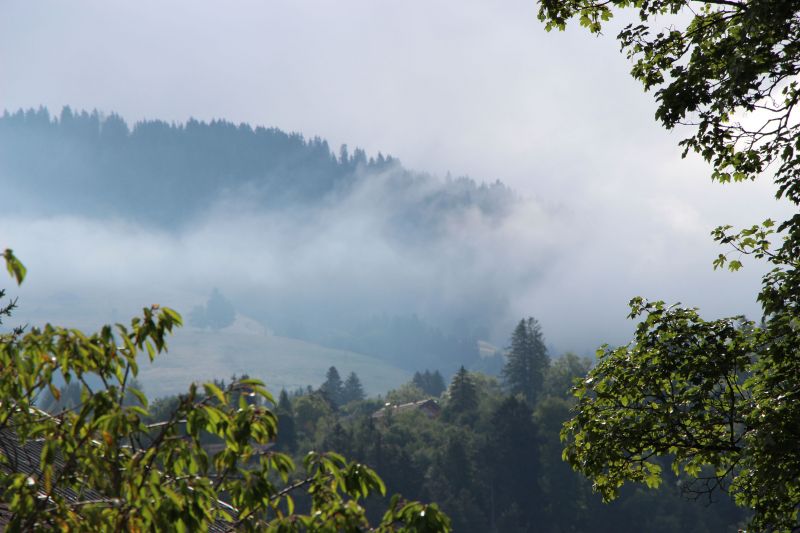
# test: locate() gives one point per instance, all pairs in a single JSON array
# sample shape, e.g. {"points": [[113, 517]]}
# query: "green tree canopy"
{"points": [[333, 387], [462, 394], [561, 375], [512, 458], [284, 403], [405, 393], [352, 390], [430, 382], [721, 398]]}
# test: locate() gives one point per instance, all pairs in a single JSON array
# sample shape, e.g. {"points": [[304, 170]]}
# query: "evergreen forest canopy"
{"points": [[171, 174]]}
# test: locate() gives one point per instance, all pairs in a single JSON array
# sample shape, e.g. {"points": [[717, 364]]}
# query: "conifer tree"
{"points": [[352, 391], [437, 386], [287, 433], [512, 459], [463, 393], [332, 388], [430, 382], [527, 361], [284, 403], [419, 379]]}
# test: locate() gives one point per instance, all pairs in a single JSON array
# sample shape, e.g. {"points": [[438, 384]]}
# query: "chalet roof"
{"points": [[25, 458], [429, 406]]}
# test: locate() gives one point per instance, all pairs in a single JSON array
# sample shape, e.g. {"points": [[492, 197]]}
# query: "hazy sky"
{"points": [[469, 87]]}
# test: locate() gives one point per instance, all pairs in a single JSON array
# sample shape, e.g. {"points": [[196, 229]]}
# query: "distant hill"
{"points": [[169, 174], [356, 252]]}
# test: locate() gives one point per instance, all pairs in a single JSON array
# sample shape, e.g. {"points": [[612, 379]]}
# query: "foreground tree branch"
{"points": [[104, 466], [715, 399]]}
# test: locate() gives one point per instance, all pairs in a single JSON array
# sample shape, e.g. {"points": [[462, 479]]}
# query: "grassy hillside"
{"points": [[202, 355]]}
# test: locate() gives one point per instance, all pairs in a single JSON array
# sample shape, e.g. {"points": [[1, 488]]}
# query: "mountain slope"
{"points": [[201, 355]]}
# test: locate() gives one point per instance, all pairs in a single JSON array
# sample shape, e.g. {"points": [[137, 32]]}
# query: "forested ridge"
{"points": [[168, 174]]}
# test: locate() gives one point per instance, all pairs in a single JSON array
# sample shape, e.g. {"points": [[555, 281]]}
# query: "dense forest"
{"points": [[491, 454], [486, 449]]}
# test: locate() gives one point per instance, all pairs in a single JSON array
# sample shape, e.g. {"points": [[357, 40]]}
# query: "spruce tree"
{"points": [[287, 432], [527, 360], [463, 393], [430, 382], [284, 403], [512, 465], [353, 391], [332, 388], [436, 384], [419, 379]]}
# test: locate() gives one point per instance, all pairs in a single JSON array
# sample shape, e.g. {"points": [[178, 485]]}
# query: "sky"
{"points": [[468, 87]]}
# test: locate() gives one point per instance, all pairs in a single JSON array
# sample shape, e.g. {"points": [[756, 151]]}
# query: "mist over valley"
{"points": [[344, 251]]}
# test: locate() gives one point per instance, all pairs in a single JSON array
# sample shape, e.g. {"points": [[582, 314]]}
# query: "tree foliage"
{"points": [[333, 388], [527, 360], [430, 382], [405, 393], [352, 390], [498, 466], [462, 394], [562, 373], [679, 390], [101, 466], [719, 398]]}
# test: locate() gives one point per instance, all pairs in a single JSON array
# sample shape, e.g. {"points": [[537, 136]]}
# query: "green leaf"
{"points": [[14, 266], [213, 390]]}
